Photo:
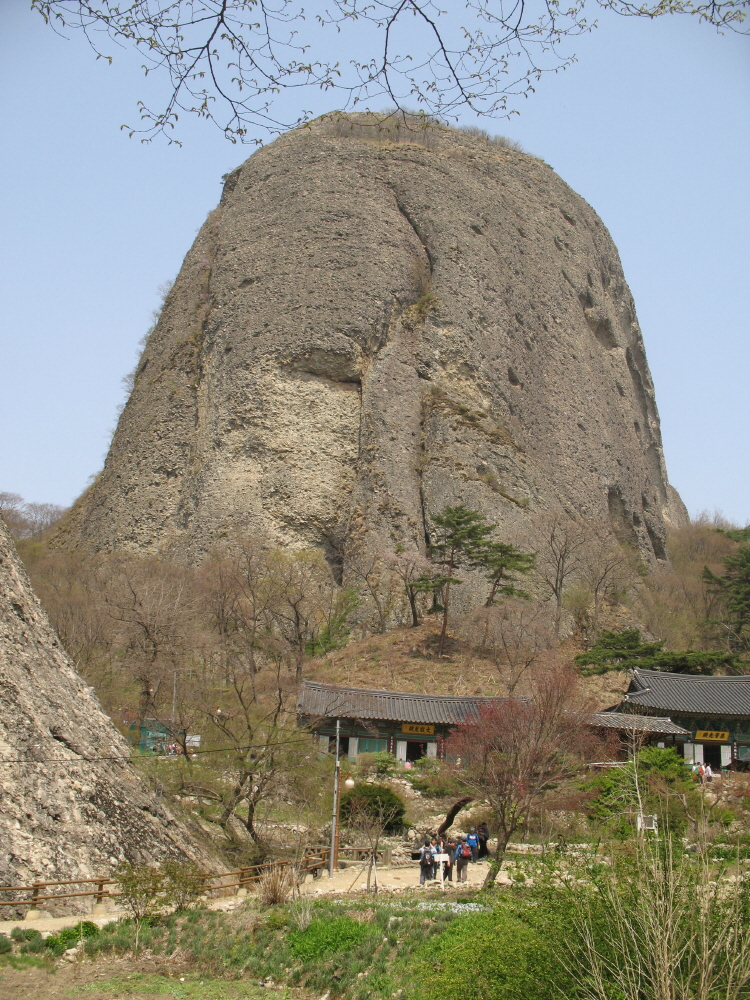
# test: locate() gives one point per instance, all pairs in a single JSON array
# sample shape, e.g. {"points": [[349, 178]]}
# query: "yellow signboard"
{"points": [[416, 730], [712, 735]]}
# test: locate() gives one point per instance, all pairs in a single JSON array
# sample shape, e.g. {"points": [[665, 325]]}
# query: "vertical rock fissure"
{"points": [[423, 242]]}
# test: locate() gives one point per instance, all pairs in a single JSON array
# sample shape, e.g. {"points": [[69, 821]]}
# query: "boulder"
{"points": [[369, 327], [71, 803]]}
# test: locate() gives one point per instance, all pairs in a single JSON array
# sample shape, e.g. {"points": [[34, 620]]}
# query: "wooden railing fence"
{"points": [[312, 863]]}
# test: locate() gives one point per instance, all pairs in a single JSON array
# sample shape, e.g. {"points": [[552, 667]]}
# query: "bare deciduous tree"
{"points": [[601, 557], [417, 576], [516, 750], [228, 60], [25, 519], [373, 571], [515, 634], [558, 540], [305, 597]]}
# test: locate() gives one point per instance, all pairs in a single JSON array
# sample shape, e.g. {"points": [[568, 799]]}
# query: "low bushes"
{"points": [[488, 956], [325, 936], [69, 937], [374, 802], [431, 777]]}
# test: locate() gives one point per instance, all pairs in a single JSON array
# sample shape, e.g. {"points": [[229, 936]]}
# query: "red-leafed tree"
{"points": [[518, 750]]}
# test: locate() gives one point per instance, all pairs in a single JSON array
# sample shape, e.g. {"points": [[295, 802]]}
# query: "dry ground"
{"points": [[406, 659]]}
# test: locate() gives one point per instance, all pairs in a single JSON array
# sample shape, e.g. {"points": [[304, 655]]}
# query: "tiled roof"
{"points": [[328, 701], [331, 702], [689, 694], [640, 723]]}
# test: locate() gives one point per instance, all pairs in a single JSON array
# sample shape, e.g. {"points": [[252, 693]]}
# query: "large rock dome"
{"points": [[370, 326]]}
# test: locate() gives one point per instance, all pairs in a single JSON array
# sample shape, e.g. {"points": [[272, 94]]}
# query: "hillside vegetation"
{"points": [[217, 650]]}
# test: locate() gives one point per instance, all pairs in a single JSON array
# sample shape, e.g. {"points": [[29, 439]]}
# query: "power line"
{"points": [[129, 760]]}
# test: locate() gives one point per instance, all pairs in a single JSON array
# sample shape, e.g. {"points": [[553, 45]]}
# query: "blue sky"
{"points": [[651, 126]]}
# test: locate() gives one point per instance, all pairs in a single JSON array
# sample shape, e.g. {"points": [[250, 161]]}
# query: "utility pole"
{"points": [[332, 859]]}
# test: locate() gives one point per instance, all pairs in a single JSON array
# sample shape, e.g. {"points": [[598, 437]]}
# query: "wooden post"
{"points": [[99, 897], [36, 886]]}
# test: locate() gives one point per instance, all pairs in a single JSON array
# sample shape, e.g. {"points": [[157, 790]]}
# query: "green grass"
{"points": [[21, 961], [194, 988], [347, 946]]}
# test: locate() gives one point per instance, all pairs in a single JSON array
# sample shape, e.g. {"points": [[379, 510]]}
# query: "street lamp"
{"points": [[332, 859]]}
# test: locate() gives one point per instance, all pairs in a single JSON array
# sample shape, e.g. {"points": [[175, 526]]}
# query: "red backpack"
{"points": [[465, 851]]}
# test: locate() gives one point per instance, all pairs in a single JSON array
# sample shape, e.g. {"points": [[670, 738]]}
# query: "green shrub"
{"points": [[31, 940], [384, 764], [487, 956], [55, 944], [183, 884], [664, 783], [325, 936], [25, 934], [374, 801], [70, 936], [5, 944], [431, 777]]}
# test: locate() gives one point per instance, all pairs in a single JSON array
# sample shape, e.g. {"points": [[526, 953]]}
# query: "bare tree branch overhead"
{"points": [[230, 61]]}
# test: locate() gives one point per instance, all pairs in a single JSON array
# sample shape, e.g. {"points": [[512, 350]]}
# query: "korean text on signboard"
{"points": [[414, 729], [712, 734]]}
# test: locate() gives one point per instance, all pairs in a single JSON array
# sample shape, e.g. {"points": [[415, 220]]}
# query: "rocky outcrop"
{"points": [[371, 327], [71, 804]]}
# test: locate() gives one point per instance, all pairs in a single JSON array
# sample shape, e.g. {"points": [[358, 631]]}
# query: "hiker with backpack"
{"points": [[426, 863], [472, 840], [483, 832], [463, 857]]}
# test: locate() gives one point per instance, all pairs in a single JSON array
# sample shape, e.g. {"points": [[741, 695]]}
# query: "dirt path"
{"points": [[352, 879], [126, 979]]}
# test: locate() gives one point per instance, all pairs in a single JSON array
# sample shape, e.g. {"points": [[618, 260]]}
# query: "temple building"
{"points": [[411, 726], [715, 711]]}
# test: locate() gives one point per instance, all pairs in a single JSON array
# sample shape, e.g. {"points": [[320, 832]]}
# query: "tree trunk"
{"points": [[249, 822], [444, 629], [558, 612], [497, 862], [413, 606], [596, 616], [454, 810]]}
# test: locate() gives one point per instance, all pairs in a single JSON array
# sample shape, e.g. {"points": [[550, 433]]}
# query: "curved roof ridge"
{"points": [[403, 694]]}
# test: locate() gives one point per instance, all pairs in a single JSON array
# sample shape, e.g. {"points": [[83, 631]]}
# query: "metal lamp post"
{"points": [[332, 859]]}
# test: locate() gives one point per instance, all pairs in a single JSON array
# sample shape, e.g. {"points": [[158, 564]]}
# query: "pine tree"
{"points": [[734, 586], [626, 650], [462, 540], [505, 563]]}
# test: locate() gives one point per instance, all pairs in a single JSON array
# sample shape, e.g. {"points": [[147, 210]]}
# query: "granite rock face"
{"points": [[366, 330], [71, 804]]}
